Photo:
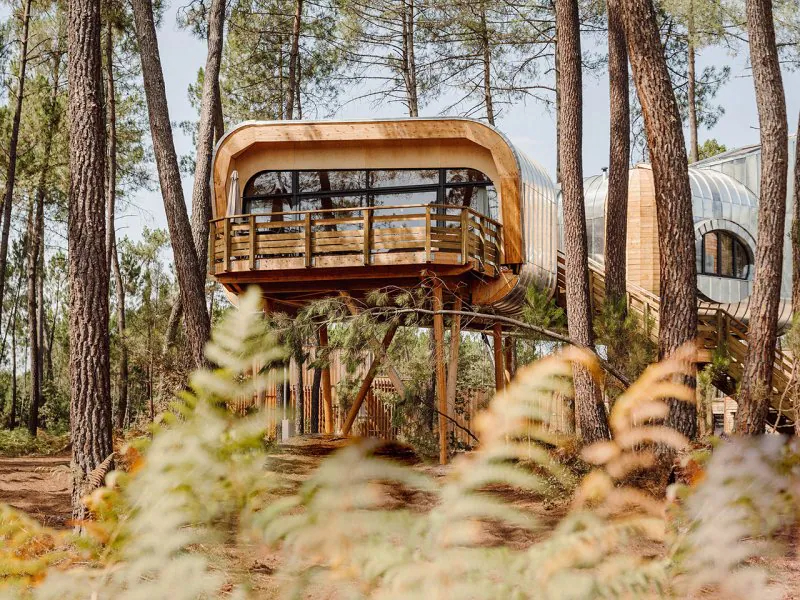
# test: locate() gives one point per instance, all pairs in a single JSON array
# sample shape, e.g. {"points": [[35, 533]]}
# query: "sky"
{"points": [[530, 126]]}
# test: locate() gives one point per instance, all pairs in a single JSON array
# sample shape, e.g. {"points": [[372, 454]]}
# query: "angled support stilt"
{"points": [[369, 377], [391, 372]]}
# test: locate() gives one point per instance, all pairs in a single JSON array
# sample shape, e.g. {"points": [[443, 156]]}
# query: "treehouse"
{"points": [[307, 209]]}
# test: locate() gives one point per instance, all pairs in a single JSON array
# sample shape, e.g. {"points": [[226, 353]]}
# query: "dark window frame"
{"points": [[737, 244], [368, 191]]}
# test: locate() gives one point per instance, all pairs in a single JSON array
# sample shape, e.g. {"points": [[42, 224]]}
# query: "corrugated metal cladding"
{"points": [[744, 165], [539, 210]]}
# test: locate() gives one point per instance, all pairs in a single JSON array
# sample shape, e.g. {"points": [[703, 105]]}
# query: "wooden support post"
{"points": [[308, 239], [327, 400], [252, 242], [226, 263], [509, 359], [212, 244], [428, 256], [367, 236], [497, 345], [369, 377], [452, 367], [441, 383], [464, 236], [391, 372]]}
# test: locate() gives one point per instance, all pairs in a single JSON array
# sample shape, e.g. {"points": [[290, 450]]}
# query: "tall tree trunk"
{"points": [[409, 58], [112, 253], [316, 386], [299, 404], [122, 402], [294, 59], [11, 173], [111, 141], [558, 108], [796, 228], [35, 254], [756, 384], [32, 256], [590, 413], [201, 192], [618, 158], [12, 421], [191, 279], [678, 274], [487, 66], [694, 151], [90, 409]]}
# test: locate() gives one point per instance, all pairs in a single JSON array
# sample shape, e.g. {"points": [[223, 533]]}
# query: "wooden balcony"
{"points": [[351, 237]]}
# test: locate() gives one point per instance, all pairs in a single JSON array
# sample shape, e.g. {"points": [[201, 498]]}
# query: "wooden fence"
{"points": [[376, 417]]}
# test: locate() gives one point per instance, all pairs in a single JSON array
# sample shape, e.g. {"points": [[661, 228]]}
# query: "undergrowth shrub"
{"points": [[18, 442], [365, 527]]}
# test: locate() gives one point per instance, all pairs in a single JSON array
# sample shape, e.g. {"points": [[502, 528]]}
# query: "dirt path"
{"points": [[38, 485]]}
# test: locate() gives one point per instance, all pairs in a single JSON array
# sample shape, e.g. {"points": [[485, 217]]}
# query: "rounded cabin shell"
{"points": [[320, 206]]}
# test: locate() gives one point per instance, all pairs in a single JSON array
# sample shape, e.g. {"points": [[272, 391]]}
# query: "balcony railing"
{"points": [[362, 236]]}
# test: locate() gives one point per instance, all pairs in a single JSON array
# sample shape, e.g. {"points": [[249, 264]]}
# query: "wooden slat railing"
{"points": [[379, 235], [715, 328]]}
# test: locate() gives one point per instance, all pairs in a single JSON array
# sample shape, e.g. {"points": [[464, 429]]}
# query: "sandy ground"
{"points": [[40, 486]]}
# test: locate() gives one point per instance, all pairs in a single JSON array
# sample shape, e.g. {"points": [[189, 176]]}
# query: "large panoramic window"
{"points": [[270, 192], [725, 255]]}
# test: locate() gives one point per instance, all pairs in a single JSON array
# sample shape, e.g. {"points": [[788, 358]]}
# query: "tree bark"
{"points": [[294, 59], [678, 274], [618, 159], [90, 408], [756, 384], [191, 280], [590, 416], [11, 173]]}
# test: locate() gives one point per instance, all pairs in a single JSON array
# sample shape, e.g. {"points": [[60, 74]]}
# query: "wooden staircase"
{"points": [[715, 329]]}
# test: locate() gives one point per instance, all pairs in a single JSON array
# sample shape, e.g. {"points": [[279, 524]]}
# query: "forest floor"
{"points": [[39, 485]]}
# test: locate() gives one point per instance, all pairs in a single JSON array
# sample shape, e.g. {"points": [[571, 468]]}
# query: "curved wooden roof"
{"points": [[362, 144]]}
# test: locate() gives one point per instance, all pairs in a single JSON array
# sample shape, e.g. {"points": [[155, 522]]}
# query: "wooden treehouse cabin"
{"points": [[307, 210]]}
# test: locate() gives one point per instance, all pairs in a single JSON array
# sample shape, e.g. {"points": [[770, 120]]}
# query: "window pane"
{"points": [[710, 253], [726, 255], [465, 176], [482, 199], [263, 206], [403, 177], [269, 183], [390, 201], [741, 265], [461, 196], [332, 181]]}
